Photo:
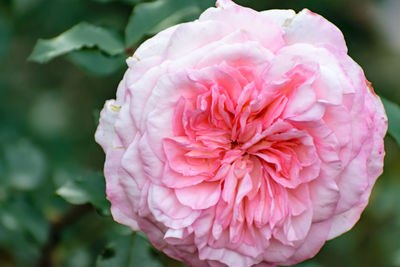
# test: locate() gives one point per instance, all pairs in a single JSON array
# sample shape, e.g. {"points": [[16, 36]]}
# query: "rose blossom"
{"points": [[242, 138]]}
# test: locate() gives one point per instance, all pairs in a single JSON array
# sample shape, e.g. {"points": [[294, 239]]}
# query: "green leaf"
{"points": [[126, 1], [152, 17], [204, 4], [393, 113], [97, 63], [23, 229], [133, 1], [5, 37], [87, 189], [82, 35], [104, 1], [24, 165], [21, 7], [22, 215], [309, 263], [129, 251], [78, 256]]}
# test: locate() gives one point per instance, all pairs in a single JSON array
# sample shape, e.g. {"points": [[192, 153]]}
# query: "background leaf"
{"points": [[23, 228], [130, 251], [393, 113], [78, 37], [86, 189], [96, 62], [5, 36], [47, 109], [152, 17], [24, 165], [125, 1], [104, 1]]}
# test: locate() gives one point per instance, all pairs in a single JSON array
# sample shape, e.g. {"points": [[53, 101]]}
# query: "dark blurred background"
{"points": [[51, 188]]}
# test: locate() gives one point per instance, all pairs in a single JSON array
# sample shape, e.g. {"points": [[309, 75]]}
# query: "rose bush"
{"points": [[242, 138]]}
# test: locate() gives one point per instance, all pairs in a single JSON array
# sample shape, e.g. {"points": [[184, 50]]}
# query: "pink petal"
{"points": [[238, 17], [167, 209], [308, 27], [200, 196], [173, 179]]}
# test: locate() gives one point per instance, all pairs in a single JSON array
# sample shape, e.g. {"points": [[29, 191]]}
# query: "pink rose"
{"points": [[242, 138]]}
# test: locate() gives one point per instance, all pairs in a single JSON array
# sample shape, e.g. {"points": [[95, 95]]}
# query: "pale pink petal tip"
{"points": [[224, 3]]}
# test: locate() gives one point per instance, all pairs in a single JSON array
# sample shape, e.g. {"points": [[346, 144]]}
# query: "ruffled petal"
{"points": [[199, 196]]}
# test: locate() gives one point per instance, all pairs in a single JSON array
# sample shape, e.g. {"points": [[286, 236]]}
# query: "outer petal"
{"points": [[308, 27], [312, 244], [237, 17], [122, 190], [280, 16], [105, 131], [344, 221]]}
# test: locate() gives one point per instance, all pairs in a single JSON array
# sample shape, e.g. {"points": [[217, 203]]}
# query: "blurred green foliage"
{"points": [[53, 210]]}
